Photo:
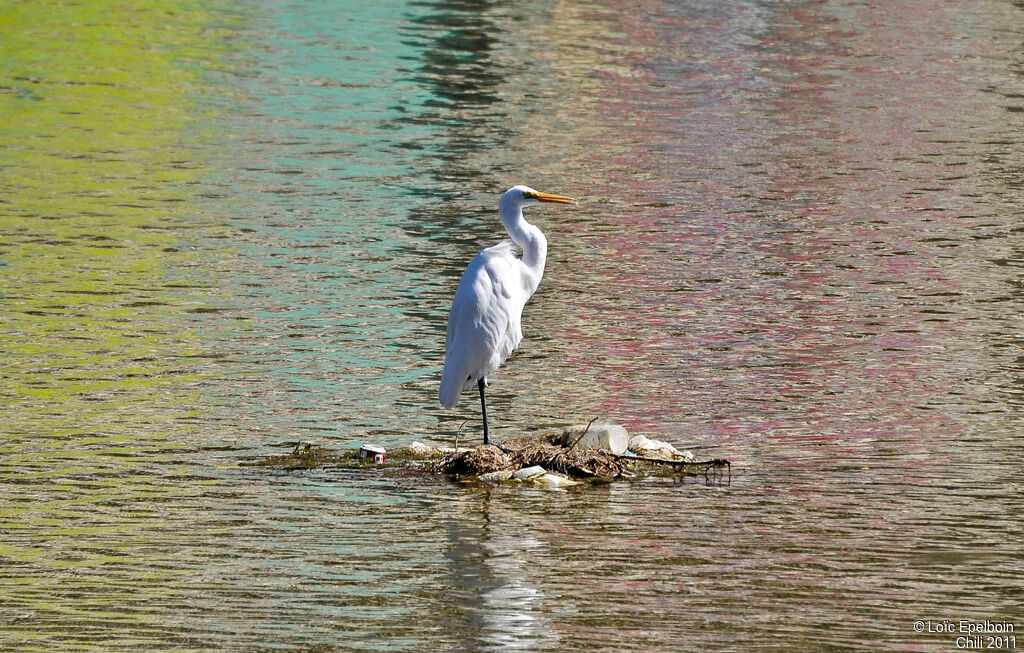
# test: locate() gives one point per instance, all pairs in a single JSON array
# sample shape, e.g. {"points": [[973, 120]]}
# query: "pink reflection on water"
{"points": [[776, 263]]}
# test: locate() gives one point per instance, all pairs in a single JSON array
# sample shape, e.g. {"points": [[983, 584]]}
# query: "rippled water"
{"points": [[229, 227]]}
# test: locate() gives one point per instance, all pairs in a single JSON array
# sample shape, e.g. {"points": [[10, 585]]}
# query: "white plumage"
{"points": [[485, 322]]}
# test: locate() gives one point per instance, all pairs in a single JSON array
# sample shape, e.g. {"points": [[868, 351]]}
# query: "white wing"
{"points": [[485, 322]]}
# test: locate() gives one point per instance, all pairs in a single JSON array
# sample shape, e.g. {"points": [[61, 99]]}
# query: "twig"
{"points": [[577, 440], [461, 426], [707, 464], [728, 466]]}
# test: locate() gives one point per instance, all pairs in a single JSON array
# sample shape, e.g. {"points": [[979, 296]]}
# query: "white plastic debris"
{"points": [[535, 475], [417, 448], [501, 475], [551, 479], [610, 437], [529, 473], [641, 445]]}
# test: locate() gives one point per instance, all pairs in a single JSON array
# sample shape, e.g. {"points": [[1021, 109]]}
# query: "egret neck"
{"points": [[529, 238]]}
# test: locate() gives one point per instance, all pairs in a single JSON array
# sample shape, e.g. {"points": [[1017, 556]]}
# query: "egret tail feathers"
{"points": [[451, 388]]}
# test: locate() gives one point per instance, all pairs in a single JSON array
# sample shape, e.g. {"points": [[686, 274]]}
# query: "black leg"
{"points": [[483, 407]]}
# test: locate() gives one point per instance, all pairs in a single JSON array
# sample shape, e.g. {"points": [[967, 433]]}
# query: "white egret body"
{"points": [[485, 322]]}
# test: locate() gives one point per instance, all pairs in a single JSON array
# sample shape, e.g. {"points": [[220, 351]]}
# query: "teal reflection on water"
{"points": [[339, 287]]}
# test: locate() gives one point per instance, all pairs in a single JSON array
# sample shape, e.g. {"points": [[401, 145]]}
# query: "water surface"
{"points": [[796, 248]]}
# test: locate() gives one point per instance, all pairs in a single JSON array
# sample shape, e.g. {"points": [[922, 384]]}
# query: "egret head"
{"points": [[525, 196]]}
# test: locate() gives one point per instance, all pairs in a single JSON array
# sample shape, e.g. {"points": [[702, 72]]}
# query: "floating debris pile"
{"points": [[577, 453], [604, 451], [306, 455], [483, 459]]}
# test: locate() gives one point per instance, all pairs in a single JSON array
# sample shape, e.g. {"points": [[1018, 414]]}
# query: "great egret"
{"points": [[485, 323]]}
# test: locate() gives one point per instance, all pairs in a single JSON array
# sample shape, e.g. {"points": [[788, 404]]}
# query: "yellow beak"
{"points": [[549, 197]]}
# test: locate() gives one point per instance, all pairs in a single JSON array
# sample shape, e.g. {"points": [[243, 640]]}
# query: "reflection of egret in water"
{"points": [[494, 598]]}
